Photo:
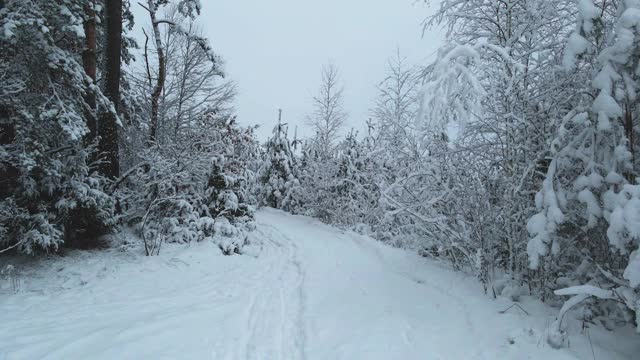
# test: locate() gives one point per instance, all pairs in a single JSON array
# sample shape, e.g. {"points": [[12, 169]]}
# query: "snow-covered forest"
{"points": [[508, 157]]}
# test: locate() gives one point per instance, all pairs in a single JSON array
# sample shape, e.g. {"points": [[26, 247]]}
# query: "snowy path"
{"points": [[313, 292]]}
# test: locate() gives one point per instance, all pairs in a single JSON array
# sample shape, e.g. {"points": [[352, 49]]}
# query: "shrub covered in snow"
{"points": [[196, 189]]}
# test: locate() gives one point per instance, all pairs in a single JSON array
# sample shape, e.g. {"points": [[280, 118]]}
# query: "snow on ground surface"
{"points": [[310, 292]]}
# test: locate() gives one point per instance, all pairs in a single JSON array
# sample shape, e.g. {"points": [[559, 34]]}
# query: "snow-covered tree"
{"points": [[49, 193], [490, 93], [231, 182], [279, 175], [589, 204], [354, 185]]}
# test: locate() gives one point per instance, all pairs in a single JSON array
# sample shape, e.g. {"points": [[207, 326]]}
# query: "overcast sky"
{"points": [[275, 50]]}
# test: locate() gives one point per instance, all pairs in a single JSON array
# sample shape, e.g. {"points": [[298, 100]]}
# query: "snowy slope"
{"points": [[311, 292]]}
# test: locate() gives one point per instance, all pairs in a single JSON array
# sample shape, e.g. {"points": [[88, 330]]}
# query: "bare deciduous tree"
{"points": [[397, 105], [328, 115], [193, 86], [152, 8], [183, 86]]}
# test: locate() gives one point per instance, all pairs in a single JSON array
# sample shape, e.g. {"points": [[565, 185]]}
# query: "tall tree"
{"points": [[108, 131], [194, 83], [152, 8]]}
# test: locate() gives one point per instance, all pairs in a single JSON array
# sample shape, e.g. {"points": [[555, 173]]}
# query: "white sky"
{"points": [[275, 50]]}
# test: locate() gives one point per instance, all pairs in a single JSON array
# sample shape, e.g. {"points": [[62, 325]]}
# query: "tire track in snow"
{"points": [[300, 333]]}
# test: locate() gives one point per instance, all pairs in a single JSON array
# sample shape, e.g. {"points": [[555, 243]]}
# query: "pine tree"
{"points": [[49, 193], [231, 181], [231, 178], [280, 185]]}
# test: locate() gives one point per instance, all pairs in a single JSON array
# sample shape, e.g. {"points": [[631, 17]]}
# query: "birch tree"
{"points": [[328, 116]]}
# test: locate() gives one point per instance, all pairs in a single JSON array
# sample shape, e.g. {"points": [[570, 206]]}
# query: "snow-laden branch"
{"points": [[588, 290]]}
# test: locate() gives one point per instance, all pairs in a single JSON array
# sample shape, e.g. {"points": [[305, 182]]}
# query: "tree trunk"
{"points": [[89, 63], [108, 131], [157, 91], [629, 132]]}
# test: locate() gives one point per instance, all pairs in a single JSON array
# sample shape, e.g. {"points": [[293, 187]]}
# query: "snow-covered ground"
{"points": [[309, 292]]}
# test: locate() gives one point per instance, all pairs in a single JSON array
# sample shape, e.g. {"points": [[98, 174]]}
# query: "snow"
{"points": [[310, 292], [576, 45], [593, 207], [632, 272], [588, 12], [545, 223]]}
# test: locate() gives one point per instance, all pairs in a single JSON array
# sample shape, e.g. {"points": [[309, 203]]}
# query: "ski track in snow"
{"points": [[274, 313], [312, 292]]}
